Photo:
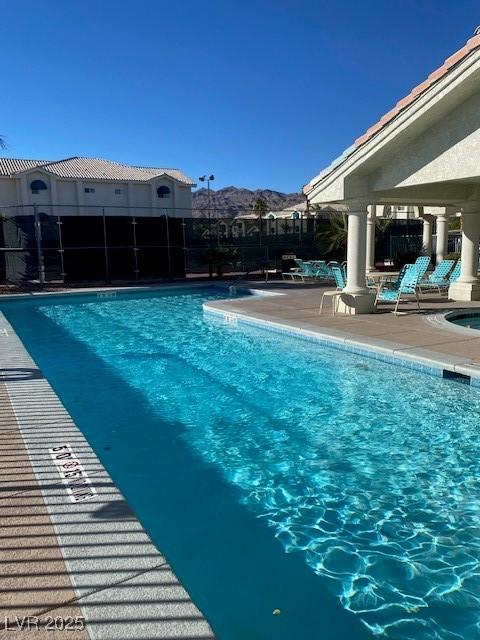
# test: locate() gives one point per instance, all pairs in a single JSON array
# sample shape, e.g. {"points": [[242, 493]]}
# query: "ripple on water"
{"points": [[371, 472]]}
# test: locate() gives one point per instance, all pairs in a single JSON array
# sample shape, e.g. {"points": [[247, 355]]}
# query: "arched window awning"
{"points": [[38, 185], [163, 192]]}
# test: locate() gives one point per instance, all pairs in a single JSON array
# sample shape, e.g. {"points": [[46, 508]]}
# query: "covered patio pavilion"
{"points": [[423, 153], [441, 216]]}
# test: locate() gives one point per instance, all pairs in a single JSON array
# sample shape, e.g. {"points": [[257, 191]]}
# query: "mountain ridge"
{"points": [[232, 201]]}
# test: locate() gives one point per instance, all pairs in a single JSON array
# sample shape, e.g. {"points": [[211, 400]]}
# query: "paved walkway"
{"points": [[34, 580]]}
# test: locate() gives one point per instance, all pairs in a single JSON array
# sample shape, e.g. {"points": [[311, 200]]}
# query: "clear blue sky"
{"points": [[263, 94]]}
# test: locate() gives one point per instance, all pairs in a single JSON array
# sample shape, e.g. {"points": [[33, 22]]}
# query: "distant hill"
{"points": [[232, 201]]}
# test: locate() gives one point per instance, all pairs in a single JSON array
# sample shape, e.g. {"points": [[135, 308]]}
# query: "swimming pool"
{"points": [[465, 318], [275, 473]]}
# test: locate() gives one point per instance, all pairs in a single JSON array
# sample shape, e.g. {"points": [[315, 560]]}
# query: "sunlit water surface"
{"points": [[367, 471]]}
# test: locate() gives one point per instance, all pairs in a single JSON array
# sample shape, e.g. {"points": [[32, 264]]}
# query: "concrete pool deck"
{"points": [[71, 561]]}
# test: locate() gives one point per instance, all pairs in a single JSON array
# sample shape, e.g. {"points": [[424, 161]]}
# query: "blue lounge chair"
{"points": [[333, 263], [455, 274], [321, 270], [408, 286], [302, 271], [339, 277], [395, 280], [438, 278], [371, 283], [336, 264], [422, 263]]}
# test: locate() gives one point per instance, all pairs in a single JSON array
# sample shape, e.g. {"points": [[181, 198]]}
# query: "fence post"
{"points": [[135, 248], [105, 247], [184, 248], [38, 239], [168, 246], [61, 250]]}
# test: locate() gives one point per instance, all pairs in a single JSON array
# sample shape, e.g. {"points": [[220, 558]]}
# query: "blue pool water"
{"points": [[276, 473], [468, 319]]}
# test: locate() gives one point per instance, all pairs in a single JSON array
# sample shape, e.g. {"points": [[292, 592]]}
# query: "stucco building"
{"points": [[82, 186], [423, 153], [91, 219]]}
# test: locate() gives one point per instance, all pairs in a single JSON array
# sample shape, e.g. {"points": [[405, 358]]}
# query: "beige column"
{"points": [[442, 236], [427, 244], [370, 256], [467, 287], [356, 298]]}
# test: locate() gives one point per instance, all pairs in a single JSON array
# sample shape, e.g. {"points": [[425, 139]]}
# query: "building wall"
{"points": [[66, 192], [8, 191], [448, 150], [133, 199], [183, 200], [140, 196], [105, 195]]}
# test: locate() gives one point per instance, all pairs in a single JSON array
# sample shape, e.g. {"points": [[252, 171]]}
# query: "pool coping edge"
{"points": [[418, 358]]}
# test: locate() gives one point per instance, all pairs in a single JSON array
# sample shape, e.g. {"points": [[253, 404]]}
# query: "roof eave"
{"points": [[376, 140]]}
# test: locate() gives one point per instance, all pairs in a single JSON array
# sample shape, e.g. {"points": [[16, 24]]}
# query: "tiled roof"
{"points": [[91, 169], [9, 166], [401, 105]]}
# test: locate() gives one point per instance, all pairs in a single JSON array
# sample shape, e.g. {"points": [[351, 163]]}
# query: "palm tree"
{"points": [[260, 207], [3, 144], [336, 234], [382, 225]]}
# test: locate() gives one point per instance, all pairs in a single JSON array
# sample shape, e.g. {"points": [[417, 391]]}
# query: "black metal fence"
{"points": [[108, 244], [64, 246]]}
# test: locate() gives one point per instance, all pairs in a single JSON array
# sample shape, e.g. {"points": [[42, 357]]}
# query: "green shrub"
{"points": [[454, 255], [219, 258], [454, 224]]}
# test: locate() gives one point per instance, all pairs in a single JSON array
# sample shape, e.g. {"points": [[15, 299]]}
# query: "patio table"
{"points": [[379, 277]]}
